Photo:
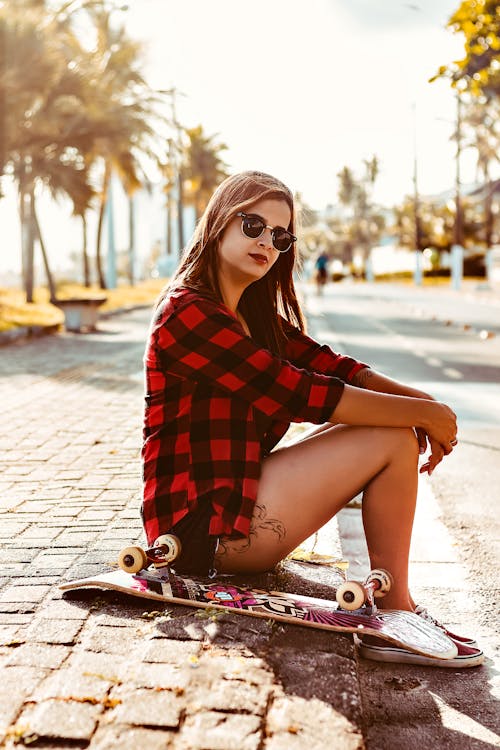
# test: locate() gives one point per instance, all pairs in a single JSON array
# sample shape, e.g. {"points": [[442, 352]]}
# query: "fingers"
{"points": [[422, 440], [438, 452]]}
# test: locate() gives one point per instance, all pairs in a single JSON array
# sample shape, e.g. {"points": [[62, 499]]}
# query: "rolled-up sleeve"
{"points": [[307, 353], [202, 342]]}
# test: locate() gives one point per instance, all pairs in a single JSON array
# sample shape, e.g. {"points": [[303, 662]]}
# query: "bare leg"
{"points": [[303, 485]]}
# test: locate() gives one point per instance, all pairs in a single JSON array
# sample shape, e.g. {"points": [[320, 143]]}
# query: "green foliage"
{"points": [[437, 221], [478, 71]]}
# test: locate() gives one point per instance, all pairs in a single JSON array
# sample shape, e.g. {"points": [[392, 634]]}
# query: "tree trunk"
{"points": [[27, 241], [180, 210], [85, 255], [169, 223], [50, 278], [102, 211], [131, 241], [489, 216]]}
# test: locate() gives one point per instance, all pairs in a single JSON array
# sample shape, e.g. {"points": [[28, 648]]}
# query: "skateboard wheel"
{"points": [[172, 544], [385, 580], [132, 559], [350, 595]]}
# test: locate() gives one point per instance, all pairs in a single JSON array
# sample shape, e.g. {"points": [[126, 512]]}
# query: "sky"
{"points": [[299, 89]]}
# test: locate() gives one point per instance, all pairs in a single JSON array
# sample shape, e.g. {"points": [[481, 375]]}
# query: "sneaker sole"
{"points": [[401, 656]]}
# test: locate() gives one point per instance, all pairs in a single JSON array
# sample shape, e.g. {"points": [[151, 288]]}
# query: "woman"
{"points": [[228, 367]]}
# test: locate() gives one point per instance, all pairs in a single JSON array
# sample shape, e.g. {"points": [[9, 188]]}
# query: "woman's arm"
{"points": [[436, 420], [375, 381]]}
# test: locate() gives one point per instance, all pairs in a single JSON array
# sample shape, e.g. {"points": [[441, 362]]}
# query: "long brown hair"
{"points": [[263, 301]]}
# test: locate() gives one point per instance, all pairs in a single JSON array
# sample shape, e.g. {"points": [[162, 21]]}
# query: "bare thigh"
{"points": [[305, 484]]}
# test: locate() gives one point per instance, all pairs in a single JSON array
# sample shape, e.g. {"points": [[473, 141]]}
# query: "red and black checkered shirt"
{"points": [[216, 403]]}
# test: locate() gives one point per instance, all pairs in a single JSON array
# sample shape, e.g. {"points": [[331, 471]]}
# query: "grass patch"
{"points": [[15, 311]]}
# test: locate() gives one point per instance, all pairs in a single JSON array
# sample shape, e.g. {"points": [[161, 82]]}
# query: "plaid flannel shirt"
{"points": [[216, 404]]}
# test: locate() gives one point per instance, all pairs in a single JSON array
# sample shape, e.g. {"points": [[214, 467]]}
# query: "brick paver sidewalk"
{"points": [[101, 670]]}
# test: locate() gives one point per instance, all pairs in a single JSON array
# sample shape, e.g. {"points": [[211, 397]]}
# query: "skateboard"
{"points": [[403, 629]]}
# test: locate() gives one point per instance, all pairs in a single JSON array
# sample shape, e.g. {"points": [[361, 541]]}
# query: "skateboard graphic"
{"points": [[354, 610]]}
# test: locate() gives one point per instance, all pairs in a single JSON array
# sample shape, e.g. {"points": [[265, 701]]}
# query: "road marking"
{"points": [[434, 362], [450, 372]]}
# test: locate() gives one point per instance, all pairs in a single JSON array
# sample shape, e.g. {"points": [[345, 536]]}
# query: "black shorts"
{"points": [[198, 547]]}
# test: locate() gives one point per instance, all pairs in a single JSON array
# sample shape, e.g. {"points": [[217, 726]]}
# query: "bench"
{"points": [[80, 312]]}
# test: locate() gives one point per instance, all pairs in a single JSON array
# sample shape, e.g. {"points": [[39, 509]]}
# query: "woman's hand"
{"points": [[441, 433], [437, 455]]}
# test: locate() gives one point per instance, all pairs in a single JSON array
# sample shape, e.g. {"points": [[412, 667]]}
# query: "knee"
{"points": [[405, 441]]}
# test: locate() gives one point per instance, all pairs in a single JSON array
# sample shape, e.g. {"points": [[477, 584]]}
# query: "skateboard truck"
{"points": [[164, 551], [352, 595]]}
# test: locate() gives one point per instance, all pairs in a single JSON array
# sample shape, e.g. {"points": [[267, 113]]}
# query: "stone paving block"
{"points": [[70, 683], [15, 618], [227, 666], [19, 608], [8, 633], [170, 651], [109, 667], [11, 706], [68, 720], [38, 655], [24, 594], [209, 730], [294, 723], [111, 640], [40, 580], [161, 676], [130, 738], [51, 559], [17, 555], [15, 686], [149, 708], [45, 630], [179, 623], [228, 696]]}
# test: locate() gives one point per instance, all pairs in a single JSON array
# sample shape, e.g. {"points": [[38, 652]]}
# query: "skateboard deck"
{"points": [[403, 629]]}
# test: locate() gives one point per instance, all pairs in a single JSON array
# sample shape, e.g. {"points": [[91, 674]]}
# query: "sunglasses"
{"points": [[254, 226]]}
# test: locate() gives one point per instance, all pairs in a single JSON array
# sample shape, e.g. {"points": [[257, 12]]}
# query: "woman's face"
{"points": [[243, 260]]}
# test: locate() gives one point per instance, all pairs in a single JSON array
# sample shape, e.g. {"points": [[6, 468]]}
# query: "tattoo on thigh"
{"points": [[260, 522]]}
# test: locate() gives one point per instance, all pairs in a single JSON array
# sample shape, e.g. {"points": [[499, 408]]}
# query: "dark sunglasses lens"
{"points": [[282, 240], [253, 226]]}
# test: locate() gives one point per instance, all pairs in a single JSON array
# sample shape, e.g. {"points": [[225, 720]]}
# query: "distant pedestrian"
{"points": [[228, 367], [321, 266]]}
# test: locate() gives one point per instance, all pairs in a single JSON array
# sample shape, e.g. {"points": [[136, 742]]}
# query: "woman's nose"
{"points": [[266, 239]]}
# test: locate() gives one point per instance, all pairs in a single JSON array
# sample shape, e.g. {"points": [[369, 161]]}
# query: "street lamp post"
{"points": [[457, 250], [417, 276], [175, 153]]}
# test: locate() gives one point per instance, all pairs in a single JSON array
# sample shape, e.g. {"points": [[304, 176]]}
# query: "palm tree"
{"points": [[203, 167], [347, 188], [480, 120], [70, 112], [127, 122]]}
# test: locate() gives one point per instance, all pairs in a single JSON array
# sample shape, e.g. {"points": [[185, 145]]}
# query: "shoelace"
{"points": [[424, 614]]}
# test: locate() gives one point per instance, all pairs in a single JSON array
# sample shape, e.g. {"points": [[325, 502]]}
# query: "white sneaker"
{"points": [[369, 649], [459, 639]]}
